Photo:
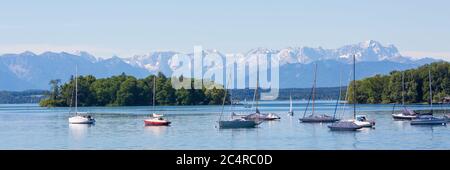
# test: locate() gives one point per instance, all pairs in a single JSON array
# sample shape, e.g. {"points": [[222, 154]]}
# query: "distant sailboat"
{"points": [[429, 119], [291, 111], [156, 119], [316, 118], [246, 105], [79, 118], [234, 122]]}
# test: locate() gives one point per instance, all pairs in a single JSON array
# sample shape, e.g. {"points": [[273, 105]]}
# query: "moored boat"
{"points": [[235, 123], [156, 121], [405, 114], [363, 121], [357, 122], [429, 119], [238, 123], [318, 119], [344, 125], [314, 117], [79, 118]]}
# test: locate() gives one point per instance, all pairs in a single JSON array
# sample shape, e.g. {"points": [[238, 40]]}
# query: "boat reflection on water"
{"points": [[79, 131], [155, 130]]}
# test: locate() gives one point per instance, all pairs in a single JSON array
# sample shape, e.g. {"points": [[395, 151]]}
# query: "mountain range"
{"points": [[28, 70]]}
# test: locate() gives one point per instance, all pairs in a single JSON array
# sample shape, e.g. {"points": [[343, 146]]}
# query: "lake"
{"points": [[28, 126]]}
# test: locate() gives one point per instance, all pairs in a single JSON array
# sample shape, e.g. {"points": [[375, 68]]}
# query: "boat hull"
{"points": [[261, 117], [436, 121], [81, 120], [344, 126], [156, 123], [318, 119], [403, 117]]}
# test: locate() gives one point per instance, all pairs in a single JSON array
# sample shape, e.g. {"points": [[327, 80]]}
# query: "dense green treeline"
{"points": [[125, 90], [388, 88]]}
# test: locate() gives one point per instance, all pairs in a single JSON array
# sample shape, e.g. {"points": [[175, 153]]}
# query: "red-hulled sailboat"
{"points": [[156, 119]]}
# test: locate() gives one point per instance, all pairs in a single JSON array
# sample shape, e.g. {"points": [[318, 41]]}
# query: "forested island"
{"points": [[126, 90], [388, 88]]}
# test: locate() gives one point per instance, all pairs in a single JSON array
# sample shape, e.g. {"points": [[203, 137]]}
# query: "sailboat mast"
{"points": [[225, 96], [403, 88], [340, 93], [76, 90], [154, 92], [314, 88], [257, 84], [431, 91], [354, 86]]}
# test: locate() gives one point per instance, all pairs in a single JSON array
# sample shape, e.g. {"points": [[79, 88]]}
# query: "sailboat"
{"points": [[358, 121], [316, 118], [405, 114], [257, 116], [156, 119], [291, 111], [235, 122], [79, 118], [429, 119]]}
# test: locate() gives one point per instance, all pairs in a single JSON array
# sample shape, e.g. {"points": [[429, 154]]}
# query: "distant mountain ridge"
{"points": [[33, 71]]}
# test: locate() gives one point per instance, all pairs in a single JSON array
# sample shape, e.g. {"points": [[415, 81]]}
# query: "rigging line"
{"points": [[224, 98]]}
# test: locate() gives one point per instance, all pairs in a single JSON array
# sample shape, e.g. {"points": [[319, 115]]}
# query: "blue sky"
{"points": [[106, 28]]}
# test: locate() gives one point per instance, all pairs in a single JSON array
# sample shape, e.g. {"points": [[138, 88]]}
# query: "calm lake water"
{"points": [[194, 127]]}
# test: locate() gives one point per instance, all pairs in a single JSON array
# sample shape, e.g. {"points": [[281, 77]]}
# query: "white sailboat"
{"points": [[291, 110], [80, 117], [405, 114], [358, 121]]}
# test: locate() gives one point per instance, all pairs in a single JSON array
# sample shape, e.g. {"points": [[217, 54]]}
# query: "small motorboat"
{"points": [[318, 118], [238, 123], [344, 125], [156, 121], [361, 120], [81, 119], [429, 120]]}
